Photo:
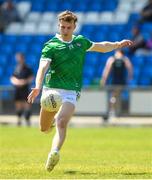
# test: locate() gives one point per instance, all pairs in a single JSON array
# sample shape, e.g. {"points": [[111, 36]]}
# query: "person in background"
{"points": [[116, 66], [8, 14], [146, 13], [138, 39], [21, 79], [149, 43]]}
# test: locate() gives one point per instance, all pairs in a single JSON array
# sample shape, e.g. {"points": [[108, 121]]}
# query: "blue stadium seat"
{"points": [[1, 73], [114, 36], [7, 48], [110, 5], [25, 38], [146, 27], [35, 48], [99, 71], [145, 81], [118, 28], [137, 60], [88, 72], [39, 7], [32, 60], [87, 29], [9, 39], [91, 59], [21, 47], [3, 60], [98, 36], [148, 61], [64, 6], [52, 7], [95, 6], [81, 6], [40, 39], [5, 81], [134, 17], [86, 82]]}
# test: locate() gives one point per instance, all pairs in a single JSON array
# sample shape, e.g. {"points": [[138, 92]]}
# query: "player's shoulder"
{"points": [[80, 37], [111, 59], [51, 42]]}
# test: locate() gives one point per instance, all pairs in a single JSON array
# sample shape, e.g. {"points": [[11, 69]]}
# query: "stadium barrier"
{"points": [[94, 101]]}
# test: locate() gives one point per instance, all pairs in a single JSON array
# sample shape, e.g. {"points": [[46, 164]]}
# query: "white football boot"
{"points": [[53, 159]]}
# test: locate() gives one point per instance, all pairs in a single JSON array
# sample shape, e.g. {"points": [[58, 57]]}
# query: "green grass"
{"points": [[88, 153]]}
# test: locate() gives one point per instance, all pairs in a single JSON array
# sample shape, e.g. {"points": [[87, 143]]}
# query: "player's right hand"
{"points": [[33, 94]]}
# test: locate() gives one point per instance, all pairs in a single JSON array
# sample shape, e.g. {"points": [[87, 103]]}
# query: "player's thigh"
{"points": [[19, 104], [65, 113], [26, 105], [46, 118]]}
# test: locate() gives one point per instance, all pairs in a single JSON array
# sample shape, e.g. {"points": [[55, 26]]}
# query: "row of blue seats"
{"points": [[102, 30], [73, 5], [33, 53], [94, 65], [79, 6]]}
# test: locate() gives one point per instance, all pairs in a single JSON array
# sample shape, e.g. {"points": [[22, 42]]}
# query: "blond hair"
{"points": [[67, 16]]}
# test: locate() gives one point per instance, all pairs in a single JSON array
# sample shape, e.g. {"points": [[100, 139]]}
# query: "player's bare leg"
{"points": [[62, 118], [46, 120]]}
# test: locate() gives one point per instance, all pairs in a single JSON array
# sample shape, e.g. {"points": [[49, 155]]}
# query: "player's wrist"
{"points": [[117, 45], [37, 88]]}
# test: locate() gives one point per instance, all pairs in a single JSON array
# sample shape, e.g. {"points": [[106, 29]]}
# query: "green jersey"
{"points": [[67, 59]]}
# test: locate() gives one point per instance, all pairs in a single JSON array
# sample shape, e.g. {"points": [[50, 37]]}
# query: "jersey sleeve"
{"points": [[47, 52], [87, 44]]}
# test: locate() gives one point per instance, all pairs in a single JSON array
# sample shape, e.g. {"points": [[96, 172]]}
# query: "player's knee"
{"points": [[44, 129], [61, 123]]}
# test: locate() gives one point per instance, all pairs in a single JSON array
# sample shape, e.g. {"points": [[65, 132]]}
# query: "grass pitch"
{"points": [[88, 153]]}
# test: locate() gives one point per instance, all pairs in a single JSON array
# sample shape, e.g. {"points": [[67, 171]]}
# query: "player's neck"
{"points": [[66, 38]]}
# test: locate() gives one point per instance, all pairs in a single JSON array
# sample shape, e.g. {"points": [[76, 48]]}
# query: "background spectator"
{"points": [[21, 79], [138, 39], [116, 66], [8, 14], [146, 13]]}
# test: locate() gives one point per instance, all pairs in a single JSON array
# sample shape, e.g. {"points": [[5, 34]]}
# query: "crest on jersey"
{"points": [[78, 44]]}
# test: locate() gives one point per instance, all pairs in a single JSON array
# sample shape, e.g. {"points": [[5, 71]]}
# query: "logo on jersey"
{"points": [[78, 44], [71, 46], [61, 47]]}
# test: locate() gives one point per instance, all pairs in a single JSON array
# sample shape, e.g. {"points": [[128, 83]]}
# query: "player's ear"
{"points": [[74, 25]]}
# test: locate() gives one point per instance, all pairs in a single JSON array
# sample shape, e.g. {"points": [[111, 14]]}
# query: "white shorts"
{"points": [[66, 95]]}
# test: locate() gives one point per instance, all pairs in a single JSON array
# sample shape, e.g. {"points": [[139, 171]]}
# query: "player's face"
{"points": [[19, 58], [118, 54], [66, 28]]}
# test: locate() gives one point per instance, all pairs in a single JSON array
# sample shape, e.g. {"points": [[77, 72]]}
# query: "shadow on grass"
{"points": [[74, 172], [136, 173]]}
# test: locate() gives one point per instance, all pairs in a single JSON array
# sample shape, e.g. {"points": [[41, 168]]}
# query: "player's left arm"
{"points": [[107, 46], [106, 71], [129, 67]]}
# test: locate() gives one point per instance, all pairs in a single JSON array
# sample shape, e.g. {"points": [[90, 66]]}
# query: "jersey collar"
{"points": [[58, 36]]}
